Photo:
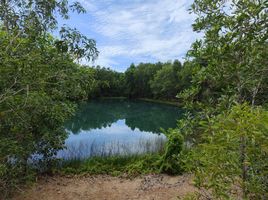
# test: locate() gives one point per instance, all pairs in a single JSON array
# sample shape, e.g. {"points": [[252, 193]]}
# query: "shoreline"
{"points": [[167, 102]]}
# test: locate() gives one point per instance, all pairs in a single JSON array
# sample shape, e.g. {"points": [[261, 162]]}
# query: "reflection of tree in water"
{"points": [[145, 116], [151, 117]]}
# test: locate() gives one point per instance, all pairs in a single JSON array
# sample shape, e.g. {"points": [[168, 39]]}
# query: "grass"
{"points": [[116, 165], [83, 149], [114, 158]]}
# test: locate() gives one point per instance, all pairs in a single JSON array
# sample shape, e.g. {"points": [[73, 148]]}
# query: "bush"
{"points": [[233, 157], [37, 90], [170, 161]]}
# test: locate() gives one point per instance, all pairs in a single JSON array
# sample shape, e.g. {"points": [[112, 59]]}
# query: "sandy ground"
{"points": [[108, 188]]}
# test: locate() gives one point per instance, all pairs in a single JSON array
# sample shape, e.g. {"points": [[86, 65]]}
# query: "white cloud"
{"points": [[159, 29]]}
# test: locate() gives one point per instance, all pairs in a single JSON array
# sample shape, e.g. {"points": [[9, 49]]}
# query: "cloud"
{"points": [[153, 30]]}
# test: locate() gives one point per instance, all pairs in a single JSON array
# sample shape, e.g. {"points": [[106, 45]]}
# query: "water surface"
{"points": [[118, 127]]}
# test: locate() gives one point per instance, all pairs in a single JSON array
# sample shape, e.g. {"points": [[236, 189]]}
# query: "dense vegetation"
{"points": [[39, 83], [229, 153], [223, 84], [146, 80]]}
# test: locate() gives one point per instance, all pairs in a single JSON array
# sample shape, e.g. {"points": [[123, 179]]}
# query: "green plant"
{"points": [[115, 165], [233, 157], [170, 160], [39, 81]]}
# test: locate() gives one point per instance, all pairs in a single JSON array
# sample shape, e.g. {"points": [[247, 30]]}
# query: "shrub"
{"points": [[232, 160]]}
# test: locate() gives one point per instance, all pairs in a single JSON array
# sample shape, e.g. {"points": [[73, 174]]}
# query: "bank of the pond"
{"points": [[119, 98], [162, 101], [167, 102]]}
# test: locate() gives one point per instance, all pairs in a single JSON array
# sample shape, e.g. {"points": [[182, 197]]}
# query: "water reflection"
{"points": [[118, 127]]}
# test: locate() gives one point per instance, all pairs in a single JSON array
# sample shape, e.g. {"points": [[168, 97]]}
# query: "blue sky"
{"points": [[134, 31]]}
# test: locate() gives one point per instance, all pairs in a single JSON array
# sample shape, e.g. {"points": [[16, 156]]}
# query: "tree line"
{"points": [[146, 80]]}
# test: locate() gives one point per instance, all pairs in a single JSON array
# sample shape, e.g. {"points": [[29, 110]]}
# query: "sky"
{"points": [[135, 31]]}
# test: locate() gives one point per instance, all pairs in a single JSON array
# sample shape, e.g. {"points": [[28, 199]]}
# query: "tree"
{"points": [[231, 63], [234, 49], [39, 82], [164, 82], [130, 81], [109, 83], [138, 79], [32, 19]]}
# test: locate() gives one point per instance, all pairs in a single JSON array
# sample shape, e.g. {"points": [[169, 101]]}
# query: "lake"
{"points": [[118, 127]]}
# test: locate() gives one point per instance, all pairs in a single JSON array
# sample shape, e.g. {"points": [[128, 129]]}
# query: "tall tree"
{"points": [[164, 82]]}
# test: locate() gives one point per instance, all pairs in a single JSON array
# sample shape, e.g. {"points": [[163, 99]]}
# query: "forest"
{"points": [[222, 84], [146, 80]]}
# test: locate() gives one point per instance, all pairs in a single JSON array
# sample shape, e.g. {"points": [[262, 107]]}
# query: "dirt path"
{"points": [[109, 188]]}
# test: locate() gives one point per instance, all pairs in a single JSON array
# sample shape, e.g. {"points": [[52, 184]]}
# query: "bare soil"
{"points": [[153, 187]]}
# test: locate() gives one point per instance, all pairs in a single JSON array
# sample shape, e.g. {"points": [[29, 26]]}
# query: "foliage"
{"points": [[138, 79], [35, 18], [146, 80], [232, 57], [39, 80], [35, 101], [165, 81], [170, 161], [229, 67], [160, 81], [109, 83], [232, 157]]}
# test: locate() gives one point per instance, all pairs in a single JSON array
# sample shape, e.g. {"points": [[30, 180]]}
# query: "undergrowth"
{"points": [[116, 165]]}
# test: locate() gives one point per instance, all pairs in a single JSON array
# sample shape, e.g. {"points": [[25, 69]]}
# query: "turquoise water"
{"points": [[118, 127]]}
